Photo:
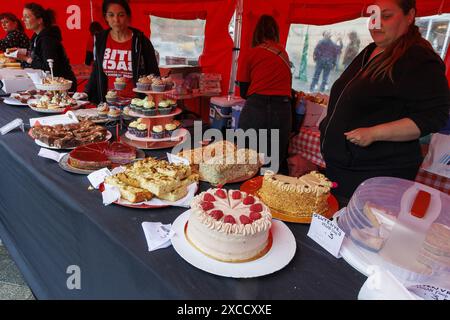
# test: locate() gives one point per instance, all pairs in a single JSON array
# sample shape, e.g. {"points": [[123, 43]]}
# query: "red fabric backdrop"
{"points": [[218, 45]]}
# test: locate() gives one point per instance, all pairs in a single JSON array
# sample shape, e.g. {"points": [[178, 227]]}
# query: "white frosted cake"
{"points": [[229, 225]]}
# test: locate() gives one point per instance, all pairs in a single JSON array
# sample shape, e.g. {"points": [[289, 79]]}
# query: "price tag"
{"points": [[97, 177], [429, 292], [16, 123], [110, 194], [50, 154], [327, 234], [158, 235], [176, 159], [67, 118]]}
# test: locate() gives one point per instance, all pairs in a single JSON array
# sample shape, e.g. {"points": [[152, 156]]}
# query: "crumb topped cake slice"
{"points": [[297, 197]]}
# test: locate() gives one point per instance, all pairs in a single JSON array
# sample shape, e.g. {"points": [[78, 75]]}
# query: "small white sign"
{"points": [[97, 177], [110, 194], [117, 170], [16, 123], [50, 154], [67, 118], [176, 159], [327, 234], [429, 292], [158, 235]]}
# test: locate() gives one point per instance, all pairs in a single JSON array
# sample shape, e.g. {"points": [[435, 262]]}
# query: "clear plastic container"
{"points": [[380, 230]]}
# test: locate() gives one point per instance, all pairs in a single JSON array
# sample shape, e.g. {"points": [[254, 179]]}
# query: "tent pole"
{"points": [[430, 22], [444, 47], [236, 48], [92, 11]]}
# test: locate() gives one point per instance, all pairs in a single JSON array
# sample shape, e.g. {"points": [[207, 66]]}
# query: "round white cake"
{"points": [[229, 225]]}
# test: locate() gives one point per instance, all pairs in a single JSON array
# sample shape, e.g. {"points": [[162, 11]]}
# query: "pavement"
{"points": [[12, 284]]}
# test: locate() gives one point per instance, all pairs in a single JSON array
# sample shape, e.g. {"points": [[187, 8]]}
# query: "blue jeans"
{"points": [[324, 67]]}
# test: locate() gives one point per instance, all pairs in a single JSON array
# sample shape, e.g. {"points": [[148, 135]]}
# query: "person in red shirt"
{"points": [[120, 52], [265, 80]]}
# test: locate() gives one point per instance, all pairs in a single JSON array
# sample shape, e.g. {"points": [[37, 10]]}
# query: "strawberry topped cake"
{"points": [[229, 225]]}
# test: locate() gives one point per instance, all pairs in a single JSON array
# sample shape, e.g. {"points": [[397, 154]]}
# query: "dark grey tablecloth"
{"points": [[49, 220]]}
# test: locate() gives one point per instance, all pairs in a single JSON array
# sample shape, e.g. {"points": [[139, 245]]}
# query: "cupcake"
{"points": [[126, 113], [114, 114], [139, 106], [177, 123], [170, 128], [120, 83], [144, 84], [149, 108], [111, 96], [134, 103], [103, 110], [141, 130], [172, 103], [132, 127], [164, 107], [158, 85], [157, 132], [168, 83]]}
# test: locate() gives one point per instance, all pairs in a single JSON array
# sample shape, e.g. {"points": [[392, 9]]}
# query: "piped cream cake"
{"points": [[229, 226], [296, 197]]}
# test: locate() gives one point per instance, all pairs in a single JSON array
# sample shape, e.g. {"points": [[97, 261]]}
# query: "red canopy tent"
{"points": [[74, 17]]}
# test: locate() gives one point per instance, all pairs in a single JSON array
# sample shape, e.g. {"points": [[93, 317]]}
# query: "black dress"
{"points": [[14, 39], [419, 92]]}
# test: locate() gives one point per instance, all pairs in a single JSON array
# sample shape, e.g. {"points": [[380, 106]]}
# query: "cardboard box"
{"points": [[16, 80], [11, 85]]}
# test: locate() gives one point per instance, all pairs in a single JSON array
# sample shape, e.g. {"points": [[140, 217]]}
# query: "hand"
{"points": [[362, 137]]}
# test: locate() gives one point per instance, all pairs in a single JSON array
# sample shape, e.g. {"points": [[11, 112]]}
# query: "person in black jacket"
{"points": [[120, 52], [94, 28], [46, 43], [394, 92], [15, 36]]}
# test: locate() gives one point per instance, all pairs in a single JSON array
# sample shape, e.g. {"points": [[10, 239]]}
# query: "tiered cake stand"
{"points": [[57, 88], [148, 142]]}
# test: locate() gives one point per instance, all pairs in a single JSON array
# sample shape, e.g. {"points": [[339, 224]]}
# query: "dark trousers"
{"points": [[269, 112], [324, 67]]}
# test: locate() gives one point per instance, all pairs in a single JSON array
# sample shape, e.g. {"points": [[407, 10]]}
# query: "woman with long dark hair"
{"points": [[120, 52], [394, 92], [46, 43], [265, 81], [15, 35]]}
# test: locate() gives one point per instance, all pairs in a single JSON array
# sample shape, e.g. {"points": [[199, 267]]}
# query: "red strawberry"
{"points": [[229, 219], [206, 205], [245, 219], [257, 207], [236, 195], [255, 216], [209, 197], [249, 200], [216, 214], [221, 194]]}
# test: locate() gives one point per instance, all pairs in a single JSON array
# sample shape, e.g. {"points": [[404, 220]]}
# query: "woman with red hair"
{"points": [[15, 36], [394, 92]]}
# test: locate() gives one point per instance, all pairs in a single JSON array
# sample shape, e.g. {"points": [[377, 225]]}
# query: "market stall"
{"points": [[52, 220]]}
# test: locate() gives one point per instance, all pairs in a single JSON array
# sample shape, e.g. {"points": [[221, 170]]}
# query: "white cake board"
{"points": [[280, 254]]}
